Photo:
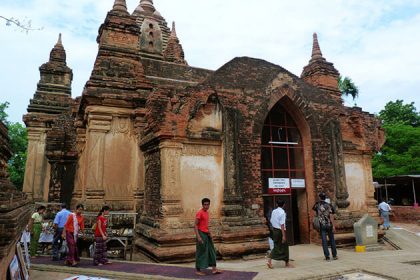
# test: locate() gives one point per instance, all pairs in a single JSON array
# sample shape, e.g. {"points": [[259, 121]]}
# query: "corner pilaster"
{"points": [[98, 126], [232, 210], [170, 188], [36, 179]]}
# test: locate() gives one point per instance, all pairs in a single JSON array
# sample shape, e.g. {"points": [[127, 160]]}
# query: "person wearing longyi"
{"points": [[35, 228], [280, 251], [205, 255], [100, 256], [75, 224]]}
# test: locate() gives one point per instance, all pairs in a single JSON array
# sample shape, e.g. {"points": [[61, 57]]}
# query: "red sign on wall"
{"points": [[279, 186]]}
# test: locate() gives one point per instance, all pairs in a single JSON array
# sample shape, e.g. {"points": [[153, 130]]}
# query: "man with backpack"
{"points": [[325, 213]]}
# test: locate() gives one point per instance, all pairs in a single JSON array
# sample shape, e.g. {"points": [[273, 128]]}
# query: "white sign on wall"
{"points": [[298, 183], [279, 185], [369, 231]]}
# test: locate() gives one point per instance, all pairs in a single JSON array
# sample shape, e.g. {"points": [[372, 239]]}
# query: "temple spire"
{"points": [[316, 50], [59, 42], [173, 31], [321, 73], [58, 54], [147, 5], [120, 5], [174, 52]]}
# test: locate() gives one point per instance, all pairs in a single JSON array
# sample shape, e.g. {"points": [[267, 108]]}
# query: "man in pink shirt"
{"points": [[205, 255]]}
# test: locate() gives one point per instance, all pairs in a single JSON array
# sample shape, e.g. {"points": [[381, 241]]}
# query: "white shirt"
{"points": [[278, 218], [383, 206]]}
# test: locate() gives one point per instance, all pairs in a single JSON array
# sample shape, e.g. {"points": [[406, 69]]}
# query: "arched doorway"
{"points": [[283, 168]]}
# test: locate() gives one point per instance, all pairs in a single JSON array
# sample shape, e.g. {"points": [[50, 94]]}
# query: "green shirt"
{"points": [[37, 217]]}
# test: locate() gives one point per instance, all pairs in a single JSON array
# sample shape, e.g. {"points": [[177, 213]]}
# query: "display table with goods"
{"points": [[120, 230], [47, 235]]}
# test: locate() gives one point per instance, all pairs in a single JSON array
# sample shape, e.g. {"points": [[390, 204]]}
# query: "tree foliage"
{"points": [[3, 114], [18, 143], [347, 87], [399, 113], [400, 154]]}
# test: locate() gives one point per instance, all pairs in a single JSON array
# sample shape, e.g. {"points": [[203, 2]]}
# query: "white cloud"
{"points": [[374, 42]]}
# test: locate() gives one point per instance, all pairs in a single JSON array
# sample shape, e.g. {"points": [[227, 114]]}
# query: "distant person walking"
{"points": [[384, 209], [100, 256], [35, 228], [326, 212], [205, 255], [280, 251], [58, 224], [75, 224]]}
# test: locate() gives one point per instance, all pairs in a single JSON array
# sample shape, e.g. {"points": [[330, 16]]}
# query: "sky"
{"points": [[374, 42]]}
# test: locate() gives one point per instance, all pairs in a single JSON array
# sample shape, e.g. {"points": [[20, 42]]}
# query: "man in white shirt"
{"points": [[384, 208], [280, 251]]}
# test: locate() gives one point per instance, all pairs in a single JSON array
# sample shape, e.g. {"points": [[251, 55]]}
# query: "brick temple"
{"points": [[153, 135]]}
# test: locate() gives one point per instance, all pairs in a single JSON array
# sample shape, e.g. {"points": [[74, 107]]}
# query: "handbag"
{"points": [[316, 223]]}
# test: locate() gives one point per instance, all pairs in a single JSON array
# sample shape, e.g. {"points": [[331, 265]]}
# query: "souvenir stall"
{"points": [[47, 235], [121, 228]]}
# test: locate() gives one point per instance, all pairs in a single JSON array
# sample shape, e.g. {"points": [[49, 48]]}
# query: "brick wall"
{"points": [[14, 207], [405, 214]]}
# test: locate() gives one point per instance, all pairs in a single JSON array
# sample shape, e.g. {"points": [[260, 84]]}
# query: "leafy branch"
{"points": [[347, 87], [24, 25]]}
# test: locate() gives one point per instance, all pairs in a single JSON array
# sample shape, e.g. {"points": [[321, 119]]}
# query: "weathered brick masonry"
{"points": [[14, 207]]}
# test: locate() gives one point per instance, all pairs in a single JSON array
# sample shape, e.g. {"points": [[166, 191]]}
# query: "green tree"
{"points": [[399, 113], [400, 154], [18, 144], [3, 114], [347, 87]]}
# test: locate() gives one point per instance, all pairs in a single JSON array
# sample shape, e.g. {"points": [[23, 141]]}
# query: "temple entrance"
{"points": [[283, 169]]}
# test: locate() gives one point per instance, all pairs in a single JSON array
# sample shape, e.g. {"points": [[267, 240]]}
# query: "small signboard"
{"points": [[279, 186], [298, 183], [369, 231]]}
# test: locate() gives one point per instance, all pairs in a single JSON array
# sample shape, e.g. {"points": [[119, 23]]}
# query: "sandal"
{"points": [[216, 272], [200, 273]]}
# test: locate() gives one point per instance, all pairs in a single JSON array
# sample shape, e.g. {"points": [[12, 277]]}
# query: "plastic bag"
{"points": [[64, 248], [316, 223], [271, 243], [92, 250]]}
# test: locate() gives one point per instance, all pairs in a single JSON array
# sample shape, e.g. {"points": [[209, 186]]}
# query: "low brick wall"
{"points": [[405, 214]]}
